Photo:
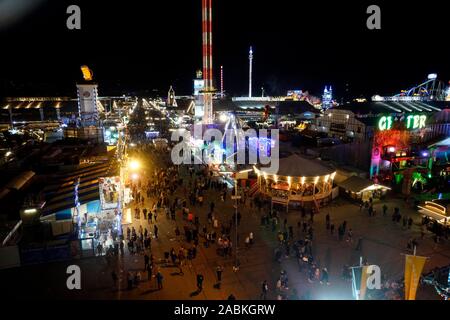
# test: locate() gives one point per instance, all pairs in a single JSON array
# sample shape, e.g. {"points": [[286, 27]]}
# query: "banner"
{"points": [[413, 269], [359, 282], [363, 287]]}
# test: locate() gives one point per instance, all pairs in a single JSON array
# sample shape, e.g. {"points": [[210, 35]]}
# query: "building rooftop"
{"points": [[297, 166], [377, 108]]}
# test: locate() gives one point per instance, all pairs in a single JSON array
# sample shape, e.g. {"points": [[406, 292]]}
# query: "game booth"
{"points": [[100, 221]]}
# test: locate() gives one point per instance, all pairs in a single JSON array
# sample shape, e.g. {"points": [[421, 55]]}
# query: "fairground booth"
{"points": [[299, 181], [362, 189], [436, 210]]}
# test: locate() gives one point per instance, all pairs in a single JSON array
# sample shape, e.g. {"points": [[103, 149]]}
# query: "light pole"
{"points": [[236, 198]]}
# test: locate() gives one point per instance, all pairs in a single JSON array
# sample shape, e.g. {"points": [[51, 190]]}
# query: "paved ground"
{"points": [[383, 244]]}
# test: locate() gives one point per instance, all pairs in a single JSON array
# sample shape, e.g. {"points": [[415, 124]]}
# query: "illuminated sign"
{"points": [[412, 122], [385, 123], [415, 122]]}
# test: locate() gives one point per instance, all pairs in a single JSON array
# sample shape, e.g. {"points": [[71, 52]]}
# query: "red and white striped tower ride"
{"points": [[207, 61]]}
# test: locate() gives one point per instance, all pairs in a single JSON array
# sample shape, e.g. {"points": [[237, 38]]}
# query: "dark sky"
{"points": [[136, 46]]}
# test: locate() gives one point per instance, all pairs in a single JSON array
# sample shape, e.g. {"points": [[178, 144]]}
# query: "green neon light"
{"points": [[413, 122], [385, 123], [416, 121]]}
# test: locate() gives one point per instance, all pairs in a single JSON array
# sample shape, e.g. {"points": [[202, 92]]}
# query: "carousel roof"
{"points": [[297, 166]]}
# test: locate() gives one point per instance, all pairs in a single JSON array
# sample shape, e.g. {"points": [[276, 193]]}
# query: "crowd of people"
{"points": [[176, 195]]}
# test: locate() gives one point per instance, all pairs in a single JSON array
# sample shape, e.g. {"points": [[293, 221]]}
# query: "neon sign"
{"points": [[415, 122], [412, 122], [385, 123]]}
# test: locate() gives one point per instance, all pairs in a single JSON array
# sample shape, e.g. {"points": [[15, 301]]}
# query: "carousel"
{"points": [[299, 181]]}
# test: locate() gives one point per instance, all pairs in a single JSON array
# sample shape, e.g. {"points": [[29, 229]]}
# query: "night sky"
{"points": [[138, 46]]}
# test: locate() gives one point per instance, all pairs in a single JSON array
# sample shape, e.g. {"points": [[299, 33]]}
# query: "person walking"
{"points": [[149, 272], [251, 238], [247, 242], [155, 231], [385, 208], [159, 280], [219, 271], [350, 235], [265, 289], [199, 282], [359, 245], [146, 261], [121, 245], [144, 211], [324, 277]]}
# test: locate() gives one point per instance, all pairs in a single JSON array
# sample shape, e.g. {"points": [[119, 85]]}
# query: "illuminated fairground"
{"points": [[299, 181]]}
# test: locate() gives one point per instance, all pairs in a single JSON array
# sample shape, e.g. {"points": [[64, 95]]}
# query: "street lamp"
{"points": [[134, 165], [236, 197]]}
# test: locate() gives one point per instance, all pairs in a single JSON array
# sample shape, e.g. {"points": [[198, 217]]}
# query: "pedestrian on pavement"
{"points": [[265, 288], [385, 208], [219, 271], [324, 278], [350, 235], [410, 222], [145, 213], [251, 238], [155, 231], [159, 280], [199, 282], [359, 245], [332, 229], [247, 242], [121, 245], [146, 261], [149, 272]]}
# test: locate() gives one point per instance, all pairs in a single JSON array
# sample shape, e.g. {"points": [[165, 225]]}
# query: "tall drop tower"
{"points": [[207, 62]]}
